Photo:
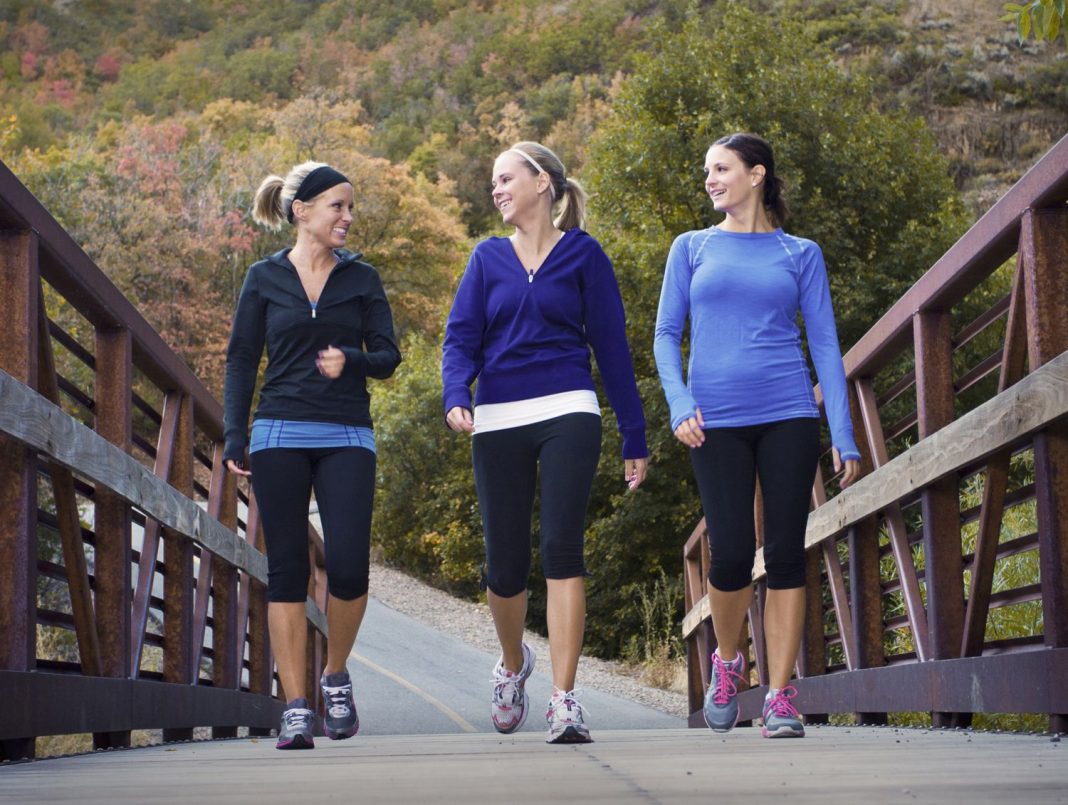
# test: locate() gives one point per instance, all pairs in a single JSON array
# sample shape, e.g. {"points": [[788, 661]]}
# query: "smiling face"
{"points": [[517, 191], [729, 182], [328, 216]]}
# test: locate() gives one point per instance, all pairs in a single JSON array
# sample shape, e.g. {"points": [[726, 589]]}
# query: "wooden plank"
{"points": [[40, 425], [1033, 403]]}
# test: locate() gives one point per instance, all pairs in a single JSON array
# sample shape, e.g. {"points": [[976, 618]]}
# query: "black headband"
{"points": [[320, 179]]}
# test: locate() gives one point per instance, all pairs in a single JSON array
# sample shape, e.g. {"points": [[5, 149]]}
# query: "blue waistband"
{"points": [[267, 433]]}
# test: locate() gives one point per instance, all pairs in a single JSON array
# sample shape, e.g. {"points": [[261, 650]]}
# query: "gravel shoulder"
{"points": [[471, 623]]}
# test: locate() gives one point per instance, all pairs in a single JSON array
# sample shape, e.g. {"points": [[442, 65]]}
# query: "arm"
{"points": [[461, 352], [671, 318], [826, 354], [606, 330], [381, 356], [242, 362]]}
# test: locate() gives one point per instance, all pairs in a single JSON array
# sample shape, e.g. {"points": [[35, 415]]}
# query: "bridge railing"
{"points": [[943, 572], [132, 583]]}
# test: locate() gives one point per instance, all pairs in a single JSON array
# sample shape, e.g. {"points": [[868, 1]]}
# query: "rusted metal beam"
{"points": [[984, 247], [895, 522], [55, 704], [995, 483], [146, 573], [68, 521], [940, 501], [112, 515], [993, 684], [19, 288], [178, 573], [1043, 249], [68, 269]]}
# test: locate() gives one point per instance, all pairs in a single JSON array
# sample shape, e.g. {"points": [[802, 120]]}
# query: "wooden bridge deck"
{"points": [[832, 765]]}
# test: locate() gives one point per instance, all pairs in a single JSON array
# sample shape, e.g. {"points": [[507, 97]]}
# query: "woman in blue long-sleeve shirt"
{"points": [[528, 309], [747, 408]]}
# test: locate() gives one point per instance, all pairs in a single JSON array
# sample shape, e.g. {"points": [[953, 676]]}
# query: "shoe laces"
{"points": [[725, 677], [565, 706], [779, 704], [505, 686], [339, 699], [297, 718]]}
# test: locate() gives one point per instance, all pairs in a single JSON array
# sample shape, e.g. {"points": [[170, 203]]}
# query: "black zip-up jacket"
{"points": [[352, 314]]}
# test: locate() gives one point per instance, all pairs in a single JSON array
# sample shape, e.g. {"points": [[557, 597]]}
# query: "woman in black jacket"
{"points": [[324, 318]]}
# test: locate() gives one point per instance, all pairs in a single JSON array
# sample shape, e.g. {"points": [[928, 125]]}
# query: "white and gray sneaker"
{"points": [[565, 719], [509, 706], [341, 720]]}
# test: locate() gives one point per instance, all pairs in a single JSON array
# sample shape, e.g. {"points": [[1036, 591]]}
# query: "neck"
{"points": [[750, 218], [537, 236], [312, 254]]}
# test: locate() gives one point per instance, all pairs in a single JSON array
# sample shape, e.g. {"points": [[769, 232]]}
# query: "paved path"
{"points": [[832, 765], [412, 680]]}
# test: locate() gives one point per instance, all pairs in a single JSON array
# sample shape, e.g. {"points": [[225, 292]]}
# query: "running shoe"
{"points": [[721, 698], [565, 719], [296, 729], [341, 719], [509, 706], [781, 719]]}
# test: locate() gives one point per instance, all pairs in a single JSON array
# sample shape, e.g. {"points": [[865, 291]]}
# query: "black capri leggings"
{"points": [[567, 449], [344, 482], [784, 455]]}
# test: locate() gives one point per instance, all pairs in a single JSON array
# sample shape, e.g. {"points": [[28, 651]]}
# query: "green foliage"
{"points": [[850, 169], [426, 511], [1043, 18]]}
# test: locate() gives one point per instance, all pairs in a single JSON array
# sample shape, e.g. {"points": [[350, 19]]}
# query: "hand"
{"points": [[236, 468], [634, 470], [459, 419], [691, 431], [331, 362], [852, 468]]}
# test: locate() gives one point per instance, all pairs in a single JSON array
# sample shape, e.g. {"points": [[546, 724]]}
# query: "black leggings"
{"points": [[784, 454], [567, 449], [344, 482]]}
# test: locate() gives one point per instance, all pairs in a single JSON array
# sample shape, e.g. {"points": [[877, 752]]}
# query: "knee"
{"points": [[349, 587], [785, 567], [730, 574], [506, 581]]}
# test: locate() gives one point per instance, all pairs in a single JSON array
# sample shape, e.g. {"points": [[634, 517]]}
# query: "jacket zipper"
{"points": [[530, 276]]}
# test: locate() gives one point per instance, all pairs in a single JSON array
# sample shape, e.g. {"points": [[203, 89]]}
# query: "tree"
{"points": [[1043, 18]]}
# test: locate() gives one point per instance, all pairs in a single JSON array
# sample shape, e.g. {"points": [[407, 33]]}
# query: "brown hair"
{"points": [[755, 150]]}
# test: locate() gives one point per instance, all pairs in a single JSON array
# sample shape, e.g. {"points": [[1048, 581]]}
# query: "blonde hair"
{"points": [[565, 191], [274, 198]]}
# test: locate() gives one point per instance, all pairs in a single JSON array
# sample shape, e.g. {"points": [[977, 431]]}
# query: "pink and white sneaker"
{"points": [[509, 706]]}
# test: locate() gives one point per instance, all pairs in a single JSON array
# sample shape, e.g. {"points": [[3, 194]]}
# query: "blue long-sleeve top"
{"points": [[741, 293], [528, 335]]}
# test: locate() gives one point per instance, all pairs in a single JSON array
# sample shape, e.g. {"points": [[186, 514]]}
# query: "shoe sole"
{"points": [[298, 742], [341, 735], [571, 735], [783, 732]]}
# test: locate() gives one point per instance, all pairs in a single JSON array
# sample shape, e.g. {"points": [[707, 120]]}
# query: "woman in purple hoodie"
{"points": [[528, 309]]}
